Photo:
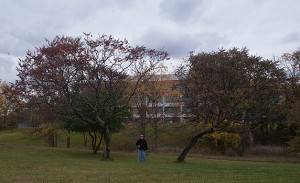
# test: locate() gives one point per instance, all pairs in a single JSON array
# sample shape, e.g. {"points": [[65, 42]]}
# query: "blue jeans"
{"points": [[142, 156]]}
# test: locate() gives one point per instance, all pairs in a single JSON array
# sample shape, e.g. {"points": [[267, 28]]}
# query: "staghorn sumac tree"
{"points": [[92, 79]]}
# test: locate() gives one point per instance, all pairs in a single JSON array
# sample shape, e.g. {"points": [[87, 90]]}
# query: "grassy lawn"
{"points": [[27, 160], [24, 164]]}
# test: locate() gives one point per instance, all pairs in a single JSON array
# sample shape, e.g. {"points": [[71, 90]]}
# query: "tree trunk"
{"points": [[55, 139], [143, 118], [246, 139], [193, 141], [143, 126], [155, 137], [69, 139], [155, 143], [94, 141], [106, 153], [100, 141], [52, 139], [84, 139], [263, 141], [4, 123]]}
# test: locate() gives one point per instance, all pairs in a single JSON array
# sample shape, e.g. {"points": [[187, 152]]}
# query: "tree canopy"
{"points": [[230, 90], [93, 79]]}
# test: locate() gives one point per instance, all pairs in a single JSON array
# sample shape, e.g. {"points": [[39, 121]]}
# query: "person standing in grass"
{"points": [[142, 146]]}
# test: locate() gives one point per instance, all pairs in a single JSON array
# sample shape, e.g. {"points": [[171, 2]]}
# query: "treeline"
{"points": [[87, 85]]}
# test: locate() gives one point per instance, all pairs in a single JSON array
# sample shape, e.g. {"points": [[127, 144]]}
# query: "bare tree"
{"points": [[156, 100]]}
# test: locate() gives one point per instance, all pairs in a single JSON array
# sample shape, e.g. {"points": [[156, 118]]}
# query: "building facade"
{"points": [[161, 98]]}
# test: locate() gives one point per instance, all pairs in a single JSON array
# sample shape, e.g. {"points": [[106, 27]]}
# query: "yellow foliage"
{"points": [[43, 131], [219, 142], [228, 139], [208, 126]]}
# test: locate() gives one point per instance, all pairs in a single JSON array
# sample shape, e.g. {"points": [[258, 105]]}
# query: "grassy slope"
{"points": [[24, 159], [40, 164]]}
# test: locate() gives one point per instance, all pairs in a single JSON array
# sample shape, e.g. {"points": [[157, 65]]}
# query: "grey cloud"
{"points": [[8, 65], [28, 23], [183, 11], [124, 3], [292, 37], [173, 25], [178, 45], [18, 43]]}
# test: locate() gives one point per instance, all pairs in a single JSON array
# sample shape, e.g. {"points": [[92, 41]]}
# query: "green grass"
{"points": [[42, 164], [26, 160], [19, 136]]}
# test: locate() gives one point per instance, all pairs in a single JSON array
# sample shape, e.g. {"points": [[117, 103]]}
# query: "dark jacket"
{"points": [[142, 144]]}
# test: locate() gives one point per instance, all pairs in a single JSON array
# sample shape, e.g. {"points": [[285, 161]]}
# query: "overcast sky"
{"points": [[267, 28]]}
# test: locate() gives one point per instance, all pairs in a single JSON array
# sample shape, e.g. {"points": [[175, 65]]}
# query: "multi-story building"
{"points": [[161, 99]]}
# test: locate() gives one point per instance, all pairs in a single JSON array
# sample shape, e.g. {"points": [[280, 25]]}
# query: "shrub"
{"points": [[220, 142], [294, 144]]}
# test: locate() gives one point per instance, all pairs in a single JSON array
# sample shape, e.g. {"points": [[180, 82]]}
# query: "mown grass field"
{"points": [[31, 164], [27, 160]]}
